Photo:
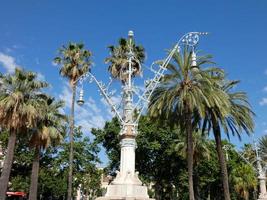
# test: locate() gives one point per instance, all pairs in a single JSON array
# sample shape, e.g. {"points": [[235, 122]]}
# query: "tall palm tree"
{"points": [[263, 148], [49, 131], [239, 118], [183, 94], [75, 61], [118, 59], [18, 112]]}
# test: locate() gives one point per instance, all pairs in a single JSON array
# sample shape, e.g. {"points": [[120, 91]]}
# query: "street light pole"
{"points": [[261, 176], [127, 185]]}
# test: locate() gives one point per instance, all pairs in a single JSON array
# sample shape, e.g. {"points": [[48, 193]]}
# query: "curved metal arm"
{"points": [[258, 169], [103, 91], [190, 39], [229, 147]]}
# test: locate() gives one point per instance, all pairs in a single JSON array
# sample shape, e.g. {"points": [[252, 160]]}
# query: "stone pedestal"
{"points": [[263, 193], [126, 185], [262, 197]]}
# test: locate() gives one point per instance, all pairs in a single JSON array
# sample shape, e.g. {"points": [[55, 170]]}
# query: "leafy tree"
{"points": [[237, 120], [182, 95], [90, 183], [75, 61], [118, 59], [244, 179], [52, 178], [54, 167], [18, 112], [153, 156], [84, 162], [49, 131], [108, 137], [21, 167], [162, 165]]}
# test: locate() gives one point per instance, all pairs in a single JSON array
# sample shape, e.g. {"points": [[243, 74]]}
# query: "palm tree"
{"points": [[49, 131], [244, 179], [263, 148], [182, 96], [75, 61], [118, 60], [237, 120], [18, 113]]}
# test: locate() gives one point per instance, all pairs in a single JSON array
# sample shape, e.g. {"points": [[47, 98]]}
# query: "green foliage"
{"points": [[19, 104], [20, 183], [244, 180], [185, 85], [50, 128], [74, 61], [183, 96], [239, 118], [163, 167], [54, 167], [109, 138]]}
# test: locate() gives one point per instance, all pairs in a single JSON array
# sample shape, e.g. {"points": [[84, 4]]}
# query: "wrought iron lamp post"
{"points": [[127, 185]]}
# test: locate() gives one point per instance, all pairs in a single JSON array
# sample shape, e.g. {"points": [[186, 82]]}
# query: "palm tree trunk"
{"points": [[71, 143], [34, 175], [224, 173], [158, 191], [7, 164], [196, 184], [189, 152]]}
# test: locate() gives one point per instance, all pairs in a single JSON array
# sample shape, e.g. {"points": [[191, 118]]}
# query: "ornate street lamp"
{"points": [[127, 184]]}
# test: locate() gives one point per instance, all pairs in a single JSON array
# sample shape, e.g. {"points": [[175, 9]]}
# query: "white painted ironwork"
{"points": [[127, 182], [189, 40]]}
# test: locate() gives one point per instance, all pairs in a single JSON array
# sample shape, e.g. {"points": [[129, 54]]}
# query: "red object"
{"points": [[20, 194]]}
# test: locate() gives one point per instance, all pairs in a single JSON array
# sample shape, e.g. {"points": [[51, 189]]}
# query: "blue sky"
{"points": [[32, 31]]}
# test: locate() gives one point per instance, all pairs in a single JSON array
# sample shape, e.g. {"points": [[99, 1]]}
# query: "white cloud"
{"points": [[37, 61], [263, 101], [265, 89], [92, 105], [40, 76], [8, 62], [8, 50], [54, 64], [15, 46]]}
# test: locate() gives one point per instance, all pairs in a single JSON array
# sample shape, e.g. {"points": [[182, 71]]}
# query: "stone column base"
{"points": [[120, 198], [263, 197], [126, 192]]}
